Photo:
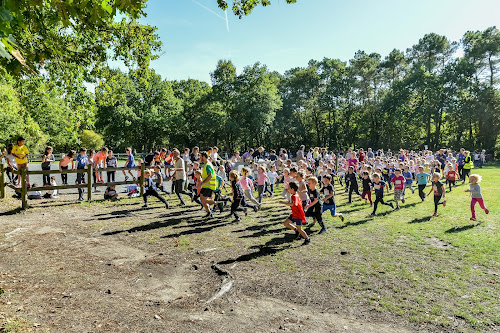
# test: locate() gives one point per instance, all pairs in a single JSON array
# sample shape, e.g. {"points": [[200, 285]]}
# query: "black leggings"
{"points": [[153, 193], [353, 187], [46, 177], [465, 173], [315, 212], [239, 205], [437, 202], [64, 176], [111, 176], [381, 200]]}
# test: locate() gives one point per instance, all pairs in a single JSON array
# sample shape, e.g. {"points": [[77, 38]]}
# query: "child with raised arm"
{"points": [[475, 193], [298, 216], [439, 192], [378, 186]]}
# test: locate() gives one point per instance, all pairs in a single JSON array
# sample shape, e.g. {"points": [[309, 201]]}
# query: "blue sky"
{"points": [[284, 36]]}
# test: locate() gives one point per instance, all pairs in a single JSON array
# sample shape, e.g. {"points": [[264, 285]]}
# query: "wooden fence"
{"points": [[58, 157], [88, 185]]}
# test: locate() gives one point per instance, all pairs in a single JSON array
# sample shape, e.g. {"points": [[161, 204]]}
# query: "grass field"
{"points": [[403, 268]]}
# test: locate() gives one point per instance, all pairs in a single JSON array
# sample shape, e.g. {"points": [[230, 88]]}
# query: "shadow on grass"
{"points": [[352, 224], [269, 248], [146, 227], [199, 230], [421, 219], [462, 228]]}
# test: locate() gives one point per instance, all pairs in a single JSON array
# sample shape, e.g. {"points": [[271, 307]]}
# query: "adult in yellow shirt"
{"points": [[208, 183], [20, 152]]}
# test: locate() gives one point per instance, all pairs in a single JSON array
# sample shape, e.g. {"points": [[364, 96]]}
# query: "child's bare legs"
{"points": [[301, 232], [289, 225]]}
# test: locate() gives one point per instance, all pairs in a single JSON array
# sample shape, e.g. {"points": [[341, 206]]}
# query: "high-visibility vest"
{"points": [[211, 184], [468, 162]]}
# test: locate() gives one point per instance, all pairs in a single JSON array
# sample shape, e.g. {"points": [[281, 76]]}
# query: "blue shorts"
{"points": [[331, 208], [296, 221]]}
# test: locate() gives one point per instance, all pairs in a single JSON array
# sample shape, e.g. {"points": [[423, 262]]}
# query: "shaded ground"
{"points": [[114, 267]]}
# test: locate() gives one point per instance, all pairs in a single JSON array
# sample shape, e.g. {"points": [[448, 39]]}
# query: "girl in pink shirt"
{"points": [[399, 186], [247, 186], [261, 181]]}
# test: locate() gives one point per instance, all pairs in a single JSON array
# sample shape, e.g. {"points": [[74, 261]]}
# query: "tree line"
{"points": [[438, 93]]}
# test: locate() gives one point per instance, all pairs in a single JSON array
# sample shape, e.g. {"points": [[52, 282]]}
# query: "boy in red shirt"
{"points": [[451, 176], [399, 187], [298, 216]]}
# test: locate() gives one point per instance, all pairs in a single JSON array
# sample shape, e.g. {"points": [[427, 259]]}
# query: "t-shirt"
{"points": [[303, 195], [422, 178], [246, 183], [22, 152], [408, 177], [110, 191], [237, 190], [46, 164], [148, 159], [314, 194], [475, 190], [366, 184], [261, 178], [379, 188], [272, 176], [399, 182], [451, 175], [180, 174], [326, 191], [297, 210], [82, 161], [130, 161], [110, 162], [461, 159], [438, 188], [361, 157]]}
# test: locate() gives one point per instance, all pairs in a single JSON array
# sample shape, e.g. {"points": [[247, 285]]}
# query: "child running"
{"points": [[475, 193], [399, 187], [247, 186], [298, 216], [238, 204], [439, 192], [367, 187], [313, 209], [378, 187], [151, 189], [328, 198]]}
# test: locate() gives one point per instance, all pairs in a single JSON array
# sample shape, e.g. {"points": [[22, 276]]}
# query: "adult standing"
{"points": [[370, 154], [362, 155], [468, 165], [180, 176], [300, 154], [20, 152], [482, 158], [208, 183]]}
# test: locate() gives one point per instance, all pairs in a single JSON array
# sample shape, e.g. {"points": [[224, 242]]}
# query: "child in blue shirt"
{"points": [[422, 180], [129, 164], [408, 179]]}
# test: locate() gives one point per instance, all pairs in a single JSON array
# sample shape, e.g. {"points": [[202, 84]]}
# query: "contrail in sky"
{"points": [[211, 11]]}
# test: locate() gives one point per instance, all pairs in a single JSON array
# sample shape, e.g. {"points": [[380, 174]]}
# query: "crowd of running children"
{"points": [[308, 183]]}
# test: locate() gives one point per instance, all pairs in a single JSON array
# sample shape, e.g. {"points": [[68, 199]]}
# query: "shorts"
{"points": [[206, 192], [331, 208], [296, 221]]}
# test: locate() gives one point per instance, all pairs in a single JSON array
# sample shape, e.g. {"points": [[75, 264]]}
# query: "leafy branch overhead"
{"points": [[36, 32]]}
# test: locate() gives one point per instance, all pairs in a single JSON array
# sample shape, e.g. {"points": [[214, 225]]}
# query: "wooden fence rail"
{"points": [[23, 174]]}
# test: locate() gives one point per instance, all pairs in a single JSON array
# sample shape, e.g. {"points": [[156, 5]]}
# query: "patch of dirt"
{"points": [[436, 242]]}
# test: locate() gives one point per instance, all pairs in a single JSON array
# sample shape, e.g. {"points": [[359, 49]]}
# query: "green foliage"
{"points": [[74, 32], [91, 140], [245, 7]]}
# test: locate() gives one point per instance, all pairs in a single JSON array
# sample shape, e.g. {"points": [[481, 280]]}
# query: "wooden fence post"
{"points": [[2, 181], [141, 179], [89, 182], [24, 188]]}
